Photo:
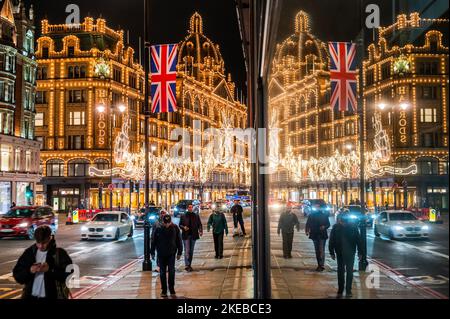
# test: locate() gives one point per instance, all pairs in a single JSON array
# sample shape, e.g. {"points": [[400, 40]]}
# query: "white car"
{"points": [[398, 224], [108, 225]]}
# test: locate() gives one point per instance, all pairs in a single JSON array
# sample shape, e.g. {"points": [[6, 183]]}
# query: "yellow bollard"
{"points": [[75, 219], [432, 215]]}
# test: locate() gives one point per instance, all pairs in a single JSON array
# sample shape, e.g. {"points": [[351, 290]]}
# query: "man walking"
{"points": [[288, 220], [219, 225], [42, 268], [238, 217], [191, 225], [158, 223], [344, 241], [316, 228], [166, 240]]}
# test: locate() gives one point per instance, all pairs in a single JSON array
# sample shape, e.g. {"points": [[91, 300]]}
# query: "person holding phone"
{"points": [[42, 268]]}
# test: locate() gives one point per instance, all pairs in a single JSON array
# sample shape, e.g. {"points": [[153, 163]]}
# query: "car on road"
{"points": [[399, 224], [108, 225], [181, 207], [311, 205], [23, 221], [354, 212], [141, 216]]}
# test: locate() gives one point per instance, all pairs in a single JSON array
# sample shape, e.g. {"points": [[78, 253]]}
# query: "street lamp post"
{"points": [[403, 105], [101, 108]]}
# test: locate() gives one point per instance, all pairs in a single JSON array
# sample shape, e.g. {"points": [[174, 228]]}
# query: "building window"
{"points": [[76, 72], [41, 97], [385, 71], [428, 166], [41, 73], [71, 51], [40, 139], [428, 115], [39, 120], [77, 118], [78, 168], [77, 96], [132, 81], [45, 53], [75, 142], [428, 68], [117, 75], [6, 157], [430, 139], [102, 164], [370, 78], [55, 168], [429, 92]]}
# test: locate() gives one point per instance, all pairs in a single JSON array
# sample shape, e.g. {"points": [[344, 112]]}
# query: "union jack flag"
{"points": [[343, 75], [163, 77]]}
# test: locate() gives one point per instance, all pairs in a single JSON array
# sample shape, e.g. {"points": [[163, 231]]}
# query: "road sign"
{"points": [[111, 187]]}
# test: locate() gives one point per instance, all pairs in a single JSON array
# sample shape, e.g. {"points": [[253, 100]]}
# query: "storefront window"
{"points": [[55, 168], [6, 153], [21, 199], [5, 197], [78, 168]]}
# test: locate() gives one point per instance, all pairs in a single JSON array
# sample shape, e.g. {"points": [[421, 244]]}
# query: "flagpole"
{"points": [[362, 183], [147, 264]]}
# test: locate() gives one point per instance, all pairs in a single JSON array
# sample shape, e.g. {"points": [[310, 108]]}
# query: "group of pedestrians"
{"points": [[344, 242], [168, 241]]}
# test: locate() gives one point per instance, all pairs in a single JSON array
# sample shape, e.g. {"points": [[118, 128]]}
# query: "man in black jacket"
{"points": [[238, 217], [166, 240], [316, 228], [42, 267], [288, 220], [344, 241], [191, 225]]}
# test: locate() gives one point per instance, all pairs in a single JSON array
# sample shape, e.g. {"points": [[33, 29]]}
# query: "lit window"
{"points": [[39, 119], [77, 118], [428, 116]]}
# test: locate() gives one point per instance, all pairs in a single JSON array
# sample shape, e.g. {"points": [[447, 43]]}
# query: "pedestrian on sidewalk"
{"points": [[316, 228], [42, 268], [345, 240], [166, 241], [288, 220], [238, 217], [219, 225], [158, 223], [192, 230]]}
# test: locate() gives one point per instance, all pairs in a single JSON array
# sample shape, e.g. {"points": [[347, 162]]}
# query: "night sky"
{"points": [[331, 20]]}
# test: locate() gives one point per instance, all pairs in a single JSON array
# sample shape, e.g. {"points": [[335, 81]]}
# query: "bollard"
{"points": [[147, 264], [363, 232]]}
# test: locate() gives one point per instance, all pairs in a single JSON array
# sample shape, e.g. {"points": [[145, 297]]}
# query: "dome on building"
{"points": [[198, 56], [300, 54]]}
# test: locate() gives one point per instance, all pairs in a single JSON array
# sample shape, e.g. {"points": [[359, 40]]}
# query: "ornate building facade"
{"points": [[86, 66], [406, 80], [19, 170], [299, 102]]}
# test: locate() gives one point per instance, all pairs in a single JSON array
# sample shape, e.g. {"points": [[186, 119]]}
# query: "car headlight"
{"points": [[425, 227], [398, 228], [133, 217], [224, 206], [372, 216], [152, 217], [175, 209], [353, 217], [84, 228], [214, 206], [22, 225], [109, 228]]}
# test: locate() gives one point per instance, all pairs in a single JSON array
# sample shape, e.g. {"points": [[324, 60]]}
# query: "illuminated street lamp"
{"points": [[403, 105], [101, 108]]}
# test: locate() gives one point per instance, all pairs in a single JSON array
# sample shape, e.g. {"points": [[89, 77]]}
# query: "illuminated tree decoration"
{"points": [[102, 69], [402, 65]]}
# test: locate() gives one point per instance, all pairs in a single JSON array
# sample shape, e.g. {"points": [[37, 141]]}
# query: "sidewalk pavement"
{"points": [[232, 277]]}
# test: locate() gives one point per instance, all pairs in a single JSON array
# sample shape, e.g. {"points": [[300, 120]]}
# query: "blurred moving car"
{"points": [[108, 225], [23, 221], [398, 224], [276, 204], [354, 212], [181, 207], [311, 205], [152, 216], [293, 205]]}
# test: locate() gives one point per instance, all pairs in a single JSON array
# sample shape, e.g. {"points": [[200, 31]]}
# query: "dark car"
{"points": [[23, 221], [181, 207], [354, 213], [141, 216], [311, 205]]}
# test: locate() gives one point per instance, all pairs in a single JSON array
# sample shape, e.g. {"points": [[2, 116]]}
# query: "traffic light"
{"points": [[28, 192]]}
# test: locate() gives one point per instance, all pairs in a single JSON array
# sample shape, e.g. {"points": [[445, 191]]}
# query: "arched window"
{"points": [[101, 164], [197, 106], [206, 109], [403, 162], [428, 166], [78, 168], [55, 168], [187, 102]]}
